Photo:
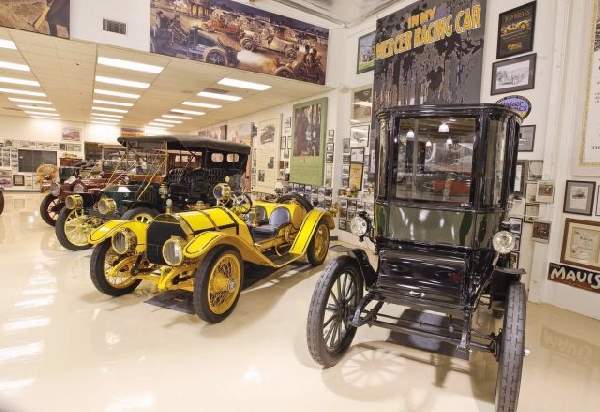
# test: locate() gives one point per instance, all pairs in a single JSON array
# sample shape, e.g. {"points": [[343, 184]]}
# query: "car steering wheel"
{"points": [[242, 203]]}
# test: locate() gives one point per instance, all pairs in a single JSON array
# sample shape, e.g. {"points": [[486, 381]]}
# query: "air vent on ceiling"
{"points": [[115, 26]]}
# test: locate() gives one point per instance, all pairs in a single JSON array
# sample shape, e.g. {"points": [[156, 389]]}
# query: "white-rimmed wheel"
{"points": [[73, 227], [334, 301]]}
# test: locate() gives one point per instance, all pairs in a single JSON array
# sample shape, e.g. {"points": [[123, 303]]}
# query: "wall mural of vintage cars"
{"points": [[231, 34]]}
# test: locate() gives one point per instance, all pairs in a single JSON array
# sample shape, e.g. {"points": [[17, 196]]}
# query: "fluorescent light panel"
{"points": [[98, 101], [107, 121], [117, 94], [220, 96], [206, 105], [192, 112], [14, 66], [102, 123], [108, 109], [122, 82], [168, 121], [46, 109], [41, 114], [170, 116], [241, 84], [153, 124], [7, 44], [22, 82], [19, 100], [130, 65], [113, 116]]}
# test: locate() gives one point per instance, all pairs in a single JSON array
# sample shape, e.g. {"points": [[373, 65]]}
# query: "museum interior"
{"points": [[297, 205]]}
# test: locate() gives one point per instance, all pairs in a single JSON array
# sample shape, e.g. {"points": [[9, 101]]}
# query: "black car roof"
{"points": [[175, 142]]}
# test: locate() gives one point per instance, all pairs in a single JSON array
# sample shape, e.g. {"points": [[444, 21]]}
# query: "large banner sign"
{"points": [[228, 33], [41, 16]]}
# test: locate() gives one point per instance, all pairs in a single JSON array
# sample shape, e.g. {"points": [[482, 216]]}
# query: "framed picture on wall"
{"points": [[359, 136], [362, 105], [541, 231], [366, 53], [520, 177], [514, 75], [18, 180], [527, 139], [516, 30], [579, 197], [545, 191], [581, 244]]}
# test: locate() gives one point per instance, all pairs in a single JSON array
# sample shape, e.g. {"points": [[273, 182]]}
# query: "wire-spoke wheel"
{"points": [[336, 297], [73, 228], [319, 245], [50, 208], [111, 273], [218, 284]]}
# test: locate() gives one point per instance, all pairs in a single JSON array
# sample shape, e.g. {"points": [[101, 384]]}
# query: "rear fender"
{"points": [[110, 228], [203, 243], [308, 228]]}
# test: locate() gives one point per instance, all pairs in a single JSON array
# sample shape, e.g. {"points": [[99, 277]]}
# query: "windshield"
{"points": [[434, 159]]}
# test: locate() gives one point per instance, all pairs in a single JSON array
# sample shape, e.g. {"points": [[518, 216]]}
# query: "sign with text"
{"points": [[575, 277]]}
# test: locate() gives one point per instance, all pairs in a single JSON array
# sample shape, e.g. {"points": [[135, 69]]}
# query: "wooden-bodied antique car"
{"points": [[439, 246], [184, 169], [205, 251]]}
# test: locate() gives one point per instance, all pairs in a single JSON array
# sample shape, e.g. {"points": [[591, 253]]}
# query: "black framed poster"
{"points": [[516, 30]]}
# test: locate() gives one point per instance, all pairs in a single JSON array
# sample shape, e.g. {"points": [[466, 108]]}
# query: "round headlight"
{"points": [[107, 206], [173, 251], [55, 189], [359, 226], [73, 202], [504, 242], [124, 241], [79, 188], [222, 192]]}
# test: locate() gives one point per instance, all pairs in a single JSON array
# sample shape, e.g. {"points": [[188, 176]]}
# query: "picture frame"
{"points": [[362, 105], [520, 177], [342, 224], [355, 176], [517, 246], [541, 231], [579, 197], [365, 57], [545, 191], [581, 244], [18, 180], [359, 136], [513, 75], [516, 31], [535, 169], [532, 212], [516, 225], [527, 138], [531, 192], [357, 154], [513, 260]]}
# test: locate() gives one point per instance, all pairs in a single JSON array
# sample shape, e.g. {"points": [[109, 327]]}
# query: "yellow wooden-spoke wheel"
{"points": [[113, 274], [319, 245], [141, 214], [73, 227], [144, 218]]}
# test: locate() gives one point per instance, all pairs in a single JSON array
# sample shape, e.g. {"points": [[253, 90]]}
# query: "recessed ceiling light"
{"points": [[241, 84], [160, 124], [98, 101], [122, 82], [44, 118], [192, 112], [19, 100], [170, 116], [102, 123], [23, 82], [207, 105], [41, 114], [27, 106], [14, 66], [220, 96], [112, 116], [117, 94], [21, 92], [7, 44], [108, 109], [168, 121], [130, 65]]}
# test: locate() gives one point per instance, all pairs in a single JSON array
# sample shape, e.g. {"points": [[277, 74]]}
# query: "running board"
{"points": [[285, 259]]}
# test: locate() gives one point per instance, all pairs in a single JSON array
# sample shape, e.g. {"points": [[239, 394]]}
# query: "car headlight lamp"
{"points": [[55, 189], [107, 206], [222, 192], [173, 251], [504, 242], [359, 226], [124, 241], [73, 202]]}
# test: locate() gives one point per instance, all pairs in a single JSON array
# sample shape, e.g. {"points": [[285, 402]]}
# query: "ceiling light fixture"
{"points": [[170, 116], [44, 118], [122, 82], [206, 105], [22, 82], [14, 66], [117, 94], [98, 101], [220, 96], [21, 92], [27, 106], [160, 124], [7, 44], [19, 100], [444, 128], [108, 109], [102, 123], [241, 84], [41, 113], [168, 121], [130, 65], [112, 116], [192, 112]]}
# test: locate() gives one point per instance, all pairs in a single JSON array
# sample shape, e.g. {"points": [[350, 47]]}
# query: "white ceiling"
{"points": [[66, 72]]}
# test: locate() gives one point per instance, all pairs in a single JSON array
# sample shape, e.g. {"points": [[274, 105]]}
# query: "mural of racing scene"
{"points": [[228, 33], [41, 16]]}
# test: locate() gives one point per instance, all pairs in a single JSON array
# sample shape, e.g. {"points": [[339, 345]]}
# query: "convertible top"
{"points": [[175, 142]]}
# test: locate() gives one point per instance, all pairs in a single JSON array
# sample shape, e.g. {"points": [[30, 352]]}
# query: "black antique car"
{"points": [[175, 172], [443, 183]]}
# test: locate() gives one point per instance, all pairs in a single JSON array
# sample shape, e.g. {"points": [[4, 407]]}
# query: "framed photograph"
{"points": [[531, 192], [545, 191], [18, 180], [346, 169], [331, 133], [579, 197], [359, 136], [513, 260], [514, 75], [366, 53], [362, 105], [581, 244], [516, 30], [357, 154], [527, 139], [356, 174], [71, 134], [520, 177], [517, 244], [518, 207], [346, 145], [541, 231], [342, 224], [516, 225], [345, 157], [329, 157], [329, 147], [532, 212], [535, 169]]}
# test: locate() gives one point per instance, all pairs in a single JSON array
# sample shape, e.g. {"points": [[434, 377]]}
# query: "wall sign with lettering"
{"points": [[575, 277]]}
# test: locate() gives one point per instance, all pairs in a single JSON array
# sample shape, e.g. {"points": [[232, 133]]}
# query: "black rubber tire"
{"points": [[97, 272], [59, 229], [132, 213], [512, 349], [310, 253], [301, 200], [201, 306], [49, 198], [1, 202], [316, 315]]}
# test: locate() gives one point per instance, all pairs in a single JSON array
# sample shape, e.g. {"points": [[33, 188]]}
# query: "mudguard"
{"points": [[110, 228], [203, 243], [308, 228], [362, 261]]}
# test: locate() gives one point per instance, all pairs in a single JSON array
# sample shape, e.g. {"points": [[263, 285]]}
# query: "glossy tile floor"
{"points": [[65, 347]]}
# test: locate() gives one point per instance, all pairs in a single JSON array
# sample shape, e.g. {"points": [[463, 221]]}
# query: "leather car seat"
{"points": [[279, 218]]}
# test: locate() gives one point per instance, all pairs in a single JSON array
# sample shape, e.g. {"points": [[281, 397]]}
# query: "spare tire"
{"points": [[295, 197]]}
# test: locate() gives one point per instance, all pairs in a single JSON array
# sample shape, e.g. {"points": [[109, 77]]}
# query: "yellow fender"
{"points": [[207, 241], [308, 228], [110, 228]]}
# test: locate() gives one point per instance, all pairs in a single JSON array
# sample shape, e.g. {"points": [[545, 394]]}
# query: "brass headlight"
{"points": [[504, 242], [173, 251], [74, 202], [222, 192], [55, 189], [107, 206], [124, 241]]}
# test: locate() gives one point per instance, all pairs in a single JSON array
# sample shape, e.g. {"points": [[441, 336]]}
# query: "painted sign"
{"points": [[228, 33], [308, 147], [575, 277], [519, 104], [46, 17]]}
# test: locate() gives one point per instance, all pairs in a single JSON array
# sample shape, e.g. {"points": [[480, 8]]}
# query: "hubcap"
{"points": [[341, 302], [224, 283], [143, 218], [78, 227]]}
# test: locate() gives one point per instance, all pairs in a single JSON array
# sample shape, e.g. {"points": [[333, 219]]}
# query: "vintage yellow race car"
{"points": [[204, 251]]}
